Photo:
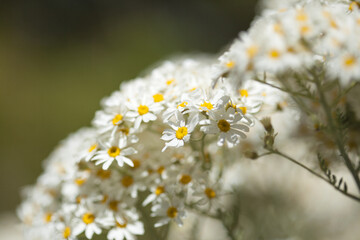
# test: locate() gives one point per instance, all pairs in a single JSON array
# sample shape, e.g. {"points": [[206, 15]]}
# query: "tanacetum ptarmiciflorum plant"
{"points": [[161, 149]]}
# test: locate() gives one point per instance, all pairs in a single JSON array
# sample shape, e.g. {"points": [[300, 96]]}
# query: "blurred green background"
{"points": [[58, 58]]}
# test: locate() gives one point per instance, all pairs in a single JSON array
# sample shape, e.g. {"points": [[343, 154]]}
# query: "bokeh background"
{"points": [[58, 58]]}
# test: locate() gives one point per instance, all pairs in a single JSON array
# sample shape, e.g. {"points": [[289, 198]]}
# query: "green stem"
{"points": [[314, 173], [281, 89], [336, 134]]}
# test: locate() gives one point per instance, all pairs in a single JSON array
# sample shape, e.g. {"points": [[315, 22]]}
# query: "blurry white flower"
{"points": [[225, 123], [169, 211]]}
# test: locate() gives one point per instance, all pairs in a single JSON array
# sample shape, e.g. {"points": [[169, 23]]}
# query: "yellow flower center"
{"points": [[252, 51], [243, 109], [172, 212], [125, 130], [170, 81], [78, 199], [207, 105], [93, 147], [181, 132], [185, 179], [301, 16], [48, 217], [223, 125], [103, 174], [274, 54], [243, 93], [80, 181], [160, 170], [230, 64], [143, 109], [193, 89], [114, 151], [210, 193], [121, 225], [159, 190], [136, 163], [158, 97], [183, 104], [105, 198], [117, 119], [349, 61], [333, 24], [127, 181], [88, 218], [278, 28], [113, 205], [304, 29], [67, 232]]}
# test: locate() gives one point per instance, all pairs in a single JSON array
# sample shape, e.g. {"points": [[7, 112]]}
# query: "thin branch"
{"points": [[281, 89], [356, 198]]}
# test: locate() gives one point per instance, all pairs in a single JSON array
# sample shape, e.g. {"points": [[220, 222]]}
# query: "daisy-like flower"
{"points": [[126, 226], [109, 121], [169, 211], [181, 104], [92, 220], [206, 101], [225, 123], [87, 154], [345, 67], [180, 132], [143, 111], [64, 230], [208, 195], [116, 151], [156, 192]]}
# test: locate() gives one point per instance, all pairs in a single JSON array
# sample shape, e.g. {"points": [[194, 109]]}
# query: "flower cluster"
{"points": [[297, 39], [159, 147], [158, 141]]}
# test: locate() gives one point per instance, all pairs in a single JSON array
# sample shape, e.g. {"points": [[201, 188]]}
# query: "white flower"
{"points": [[169, 211], [126, 227], [156, 192], [143, 111], [180, 132], [345, 66], [87, 154], [206, 101], [109, 121], [227, 124], [117, 151], [91, 221], [208, 195]]}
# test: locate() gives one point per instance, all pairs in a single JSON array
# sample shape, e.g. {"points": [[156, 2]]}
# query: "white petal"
{"points": [[128, 161], [173, 142], [149, 199], [132, 114], [107, 164], [78, 229], [137, 122], [128, 235], [210, 129], [136, 228], [89, 232], [128, 151], [120, 161], [167, 137]]}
